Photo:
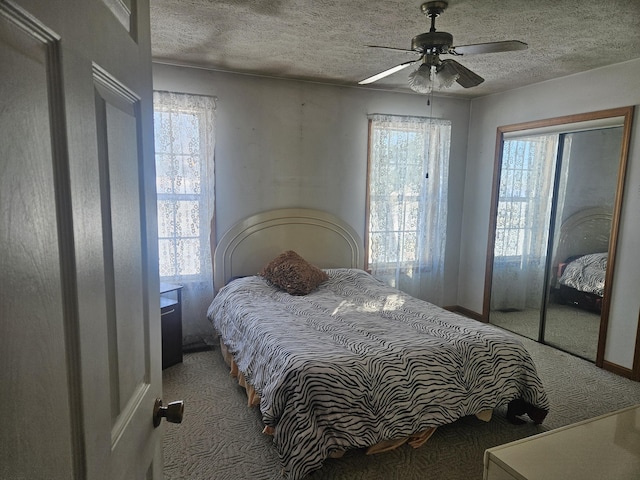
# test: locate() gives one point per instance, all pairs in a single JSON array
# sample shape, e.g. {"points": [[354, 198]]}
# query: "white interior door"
{"points": [[80, 323]]}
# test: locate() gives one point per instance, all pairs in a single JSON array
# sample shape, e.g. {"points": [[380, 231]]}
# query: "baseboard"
{"points": [[465, 311], [198, 343], [618, 370]]}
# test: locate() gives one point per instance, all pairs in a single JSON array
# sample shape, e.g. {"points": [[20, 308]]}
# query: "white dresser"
{"points": [[603, 448]]}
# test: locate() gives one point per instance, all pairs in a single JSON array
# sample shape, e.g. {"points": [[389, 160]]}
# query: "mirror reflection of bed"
{"points": [[576, 287], [577, 283], [552, 235]]}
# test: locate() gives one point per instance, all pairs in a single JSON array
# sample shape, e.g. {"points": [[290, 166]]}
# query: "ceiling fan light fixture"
{"points": [[447, 75], [421, 79], [431, 45]]}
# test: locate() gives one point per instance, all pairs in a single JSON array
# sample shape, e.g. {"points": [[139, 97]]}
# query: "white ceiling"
{"points": [[326, 40]]}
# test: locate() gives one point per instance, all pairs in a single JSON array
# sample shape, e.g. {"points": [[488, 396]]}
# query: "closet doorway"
{"points": [[553, 228]]}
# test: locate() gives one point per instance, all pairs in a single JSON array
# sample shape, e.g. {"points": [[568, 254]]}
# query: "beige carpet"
{"points": [[220, 437], [567, 327]]}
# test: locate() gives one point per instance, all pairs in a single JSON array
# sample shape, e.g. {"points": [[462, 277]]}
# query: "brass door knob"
{"points": [[172, 412]]}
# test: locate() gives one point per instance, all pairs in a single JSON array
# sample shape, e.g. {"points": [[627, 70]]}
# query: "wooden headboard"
{"points": [[320, 237]]}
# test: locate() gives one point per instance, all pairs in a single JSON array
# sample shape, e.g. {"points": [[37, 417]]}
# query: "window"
{"points": [[523, 208], [184, 144], [407, 200], [522, 221], [183, 185]]}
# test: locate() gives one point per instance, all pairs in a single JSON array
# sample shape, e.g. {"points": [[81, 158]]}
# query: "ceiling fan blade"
{"points": [[466, 77], [491, 47], [393, 48], [386, 73]]}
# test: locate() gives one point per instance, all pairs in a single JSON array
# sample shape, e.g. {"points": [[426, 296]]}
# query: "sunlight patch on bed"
{"points": [[344, 306], [393, 302]]}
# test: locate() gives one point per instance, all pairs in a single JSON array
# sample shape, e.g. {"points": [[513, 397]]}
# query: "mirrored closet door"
{"points": [[557, 189]]}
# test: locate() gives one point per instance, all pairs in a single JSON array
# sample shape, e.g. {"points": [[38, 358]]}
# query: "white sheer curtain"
{"points": [[407, 198], [184, 145], [522, 223]]}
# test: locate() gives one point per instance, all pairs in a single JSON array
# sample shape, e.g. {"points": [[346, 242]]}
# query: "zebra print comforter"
{"points": [[586, 273], [356, 362]]}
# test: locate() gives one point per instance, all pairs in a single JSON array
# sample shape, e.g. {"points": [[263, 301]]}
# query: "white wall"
{"points": [[283, 143], [607, 87], [591, 180]]}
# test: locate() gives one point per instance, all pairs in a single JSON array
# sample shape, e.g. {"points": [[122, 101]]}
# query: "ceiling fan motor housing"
{"points": [[432, 42], [434, 8]]}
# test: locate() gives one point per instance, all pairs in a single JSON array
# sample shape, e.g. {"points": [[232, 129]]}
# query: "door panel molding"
{"points": [[121, 11], [102, 77], [56, 293], [48, 55], [118, 153]]}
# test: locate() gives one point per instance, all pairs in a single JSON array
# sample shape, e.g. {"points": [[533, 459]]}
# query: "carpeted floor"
{"points": [[220, 437], [569, 328]]}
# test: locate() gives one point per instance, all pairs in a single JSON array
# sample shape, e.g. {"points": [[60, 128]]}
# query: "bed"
{"points": [[581, 258], [353, 363]]}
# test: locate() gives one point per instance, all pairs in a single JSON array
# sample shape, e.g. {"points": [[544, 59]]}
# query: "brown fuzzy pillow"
{"points": [[292, 273]]}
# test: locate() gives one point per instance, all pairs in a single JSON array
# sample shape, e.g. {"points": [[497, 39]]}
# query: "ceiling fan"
{"points": [[431, 45]]}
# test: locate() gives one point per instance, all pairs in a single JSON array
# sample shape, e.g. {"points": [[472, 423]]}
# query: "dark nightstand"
{"points": [[171, 320]]}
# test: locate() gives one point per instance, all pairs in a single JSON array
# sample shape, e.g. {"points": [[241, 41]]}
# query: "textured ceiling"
{"points": [[325, 40]]}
